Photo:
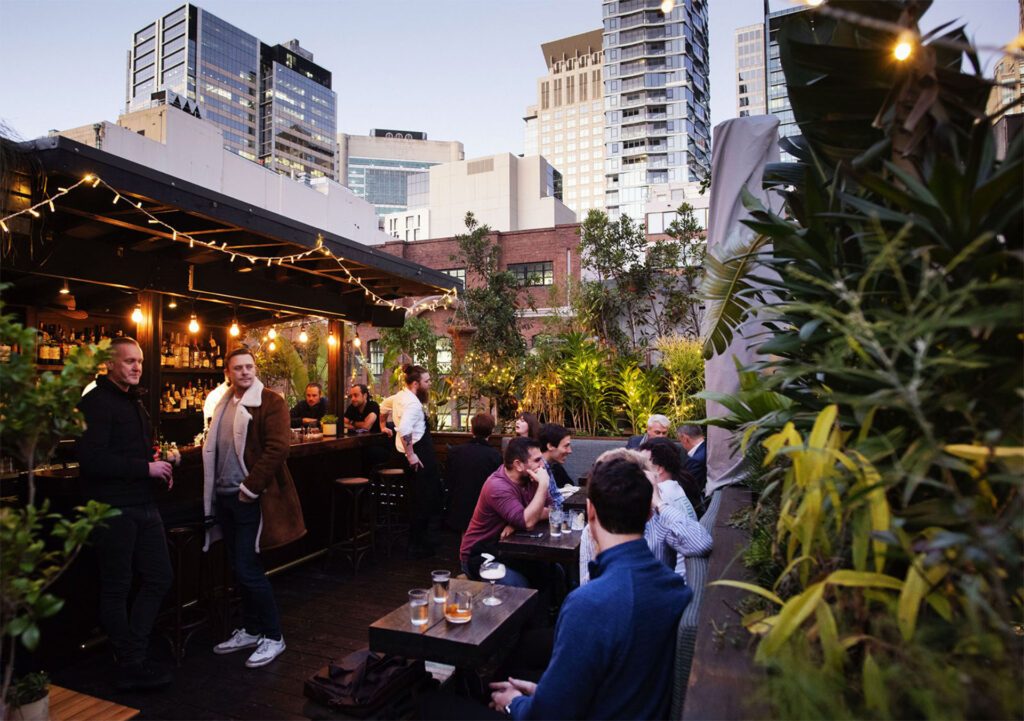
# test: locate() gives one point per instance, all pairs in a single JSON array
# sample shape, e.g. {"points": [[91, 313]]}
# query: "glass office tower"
{"points": [[273, 104], [778, 93], [657, 129]]}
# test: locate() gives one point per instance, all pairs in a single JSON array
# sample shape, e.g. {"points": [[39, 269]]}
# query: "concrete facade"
{"points": [[505, 192], [566, 125]]}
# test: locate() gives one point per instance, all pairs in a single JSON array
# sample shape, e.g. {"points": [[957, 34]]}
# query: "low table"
{"points": [[68, 705], [577, 501], [560, 549], [470, 645]]}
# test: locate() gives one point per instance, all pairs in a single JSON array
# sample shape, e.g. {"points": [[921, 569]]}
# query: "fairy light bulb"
{"points": [[272, 347], [137, 314], [233, 330], [173, 304], [904, 48], [272, 333], [331, 340], [357, 341], [303, 337], [193, 324]]}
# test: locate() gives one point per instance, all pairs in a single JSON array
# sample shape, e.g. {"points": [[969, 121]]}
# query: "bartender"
{"points": [[310, 411], [362, 412]]}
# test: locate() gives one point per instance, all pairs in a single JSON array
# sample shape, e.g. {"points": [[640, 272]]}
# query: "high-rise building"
{"points": [[566, 125], [657, 94], [1009, 77], [778, 93], [273, 104], [750, 71], [377, 166]]}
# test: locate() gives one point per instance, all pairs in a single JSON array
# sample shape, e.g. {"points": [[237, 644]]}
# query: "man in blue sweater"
{"points": [[624, 669]]}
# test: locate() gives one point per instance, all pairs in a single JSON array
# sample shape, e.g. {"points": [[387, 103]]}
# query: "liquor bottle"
{"points": [[218, 361], [42, 354]]}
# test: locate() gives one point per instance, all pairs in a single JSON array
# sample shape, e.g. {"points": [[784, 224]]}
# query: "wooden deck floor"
{"points": [[325, 614]]}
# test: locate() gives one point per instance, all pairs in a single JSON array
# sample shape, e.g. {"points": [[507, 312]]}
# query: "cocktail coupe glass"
{"points": [[492, 570]]}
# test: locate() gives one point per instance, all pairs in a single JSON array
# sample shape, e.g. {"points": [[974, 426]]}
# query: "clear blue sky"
{"points": [[458, 69]]}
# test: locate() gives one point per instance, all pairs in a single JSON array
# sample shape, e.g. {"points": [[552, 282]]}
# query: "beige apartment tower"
{"points": [[566, 125], [750, 71]]}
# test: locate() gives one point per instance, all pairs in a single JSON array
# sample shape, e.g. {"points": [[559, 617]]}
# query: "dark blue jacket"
{"points": [[115, 451], [614, 642]]}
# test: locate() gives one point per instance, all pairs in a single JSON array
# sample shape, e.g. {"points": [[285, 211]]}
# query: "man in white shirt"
{"points": [[413, 441]]}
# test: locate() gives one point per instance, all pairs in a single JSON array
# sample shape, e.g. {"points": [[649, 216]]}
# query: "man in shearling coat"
{"points": [[247, 488]]}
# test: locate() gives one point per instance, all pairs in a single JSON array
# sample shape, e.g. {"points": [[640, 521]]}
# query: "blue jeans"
{"points": [[240, 523], [133, 540]]}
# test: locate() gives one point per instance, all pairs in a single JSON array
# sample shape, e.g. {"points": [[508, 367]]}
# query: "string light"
{"points": [[272, 333], [667, 5], [331, 340], [137, 314], [95, 181], [904, 47], [233, 330], [356, 341], [272, 347], [172, 304], [303, 336]]}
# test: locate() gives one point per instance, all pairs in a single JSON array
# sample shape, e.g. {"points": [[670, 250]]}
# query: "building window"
{"points": [[376, 357], [444, 355], [459, 273], [528, 274]]}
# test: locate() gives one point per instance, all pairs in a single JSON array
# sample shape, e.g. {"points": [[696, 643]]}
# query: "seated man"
{"points": [[695, 462], [555, 446], [512, 499], [625, 670], [362, 412], [469, 465], [310, 411], [672, 532], [657, 427]]}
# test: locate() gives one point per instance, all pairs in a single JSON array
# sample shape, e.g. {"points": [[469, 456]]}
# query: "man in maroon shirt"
{"points": [[512, 499]]}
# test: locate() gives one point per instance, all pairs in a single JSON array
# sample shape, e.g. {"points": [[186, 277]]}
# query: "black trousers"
{"points": [[426, 496], [133, 542]]}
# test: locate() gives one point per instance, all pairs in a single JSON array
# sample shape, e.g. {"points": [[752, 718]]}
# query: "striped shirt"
{"points": [[672, 534]]}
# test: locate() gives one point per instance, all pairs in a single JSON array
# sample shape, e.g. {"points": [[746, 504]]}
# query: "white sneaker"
{"points": [[267, 650], [239, 639]]}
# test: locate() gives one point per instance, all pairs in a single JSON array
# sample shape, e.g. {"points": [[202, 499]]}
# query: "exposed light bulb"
{"points": [[667, 5], [65, 290], [272, 333], [137, 314], [331, 340], [904, 48], [272, 347], [193, 324], [357, 341], [172, 304], [303, 337], [233, 330]]}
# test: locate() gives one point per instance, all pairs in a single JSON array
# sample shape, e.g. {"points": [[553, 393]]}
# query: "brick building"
{"points": [[547, 260]]}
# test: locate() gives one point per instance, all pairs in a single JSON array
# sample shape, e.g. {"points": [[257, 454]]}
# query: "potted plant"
{"points": [[28, 698], [329, 425], [37, 545]]}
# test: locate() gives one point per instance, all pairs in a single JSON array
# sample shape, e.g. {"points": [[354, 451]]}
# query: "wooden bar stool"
{"points": [[188, 614], [392, 505], [359, 528]]}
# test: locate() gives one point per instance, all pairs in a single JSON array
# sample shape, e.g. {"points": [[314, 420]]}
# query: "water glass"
{"points": [[459, 608], [440, 579], [555, 523], [418, 609]]}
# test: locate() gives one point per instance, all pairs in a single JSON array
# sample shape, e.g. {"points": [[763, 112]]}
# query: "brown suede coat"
{"points": [[264, 443]]}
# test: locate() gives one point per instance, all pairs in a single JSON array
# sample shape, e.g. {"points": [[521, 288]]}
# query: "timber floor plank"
{"points": [[325, 614]]}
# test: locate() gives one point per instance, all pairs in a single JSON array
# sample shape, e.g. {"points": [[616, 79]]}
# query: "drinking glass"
{"points": [[441, 579], [418, 610], [459, 608], [555, 523], [492, 571]]}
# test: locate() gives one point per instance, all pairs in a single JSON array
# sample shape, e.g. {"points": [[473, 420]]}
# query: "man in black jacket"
{"points": [[469, 465], [115, 456]]}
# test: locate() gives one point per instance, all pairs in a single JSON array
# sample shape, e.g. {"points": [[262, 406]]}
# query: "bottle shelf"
{"points": [[191, 371]]}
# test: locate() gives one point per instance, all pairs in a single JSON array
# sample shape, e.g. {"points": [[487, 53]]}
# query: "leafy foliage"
{"points": [[892, 382], [683, 364]]}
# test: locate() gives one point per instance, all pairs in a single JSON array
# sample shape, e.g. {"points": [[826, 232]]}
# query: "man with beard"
{"points": [[413, 442]]}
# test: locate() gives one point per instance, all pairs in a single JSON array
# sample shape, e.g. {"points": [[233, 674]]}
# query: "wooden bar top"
{"points": [[68, 705], [466, 645]]}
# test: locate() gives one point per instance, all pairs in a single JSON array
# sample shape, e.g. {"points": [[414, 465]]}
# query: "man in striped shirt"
{"points": [[672, 532]]}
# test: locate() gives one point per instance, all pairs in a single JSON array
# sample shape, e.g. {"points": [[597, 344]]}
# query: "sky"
{"points": [[461, 70]]}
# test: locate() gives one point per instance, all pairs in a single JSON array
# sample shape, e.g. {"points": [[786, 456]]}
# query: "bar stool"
{"points": [[360, 526], [392, 505], [188, 613]]}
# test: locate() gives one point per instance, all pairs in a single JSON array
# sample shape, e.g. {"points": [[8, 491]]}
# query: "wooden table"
{"points": [[68, 705], [468, 645], [561, 549], [577, 501]]}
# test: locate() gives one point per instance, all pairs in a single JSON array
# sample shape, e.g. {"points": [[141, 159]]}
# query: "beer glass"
{"points": [[555, 523], [418, 608], [440, 579]]}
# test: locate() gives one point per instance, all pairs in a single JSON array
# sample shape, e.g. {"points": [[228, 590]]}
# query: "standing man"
{"points": [[624, 670], [657, 427], [311, 410], [469, 466], [362, 412], [247, 488], [512, 499], [115, 456], [696, 460], [413, 441], [555, 446]]}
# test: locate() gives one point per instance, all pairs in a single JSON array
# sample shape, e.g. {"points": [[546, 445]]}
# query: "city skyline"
{"points": [[469, 83]]}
